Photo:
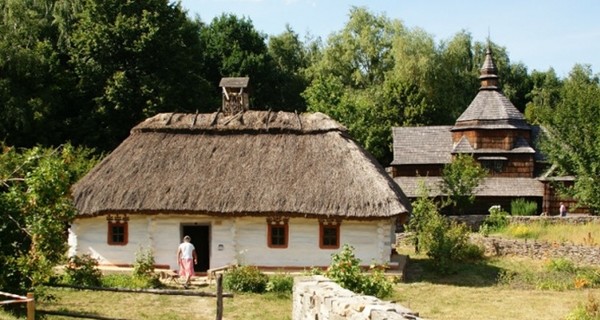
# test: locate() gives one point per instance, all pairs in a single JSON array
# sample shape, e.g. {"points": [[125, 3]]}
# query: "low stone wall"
{"points": [[475, 221], [538, 250], [319, 298]]}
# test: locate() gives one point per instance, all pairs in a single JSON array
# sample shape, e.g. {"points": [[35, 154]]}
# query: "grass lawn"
{"points": [[151, 306]]}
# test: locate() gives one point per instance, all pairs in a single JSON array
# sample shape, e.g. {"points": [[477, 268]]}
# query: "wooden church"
{"points": [[496, 134]]}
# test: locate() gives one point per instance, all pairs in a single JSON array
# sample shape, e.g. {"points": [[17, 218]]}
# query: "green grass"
{"points": [[586, 234]]}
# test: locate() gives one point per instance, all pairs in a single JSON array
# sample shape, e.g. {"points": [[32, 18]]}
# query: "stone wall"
{"points": [[474, 221], [538, 250], [319, 298]]}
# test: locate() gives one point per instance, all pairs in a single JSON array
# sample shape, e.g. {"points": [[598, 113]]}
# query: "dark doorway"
{"points": [[200, 235]]}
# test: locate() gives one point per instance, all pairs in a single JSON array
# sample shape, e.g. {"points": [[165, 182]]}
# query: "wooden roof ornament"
{"points": [[235, 95]]}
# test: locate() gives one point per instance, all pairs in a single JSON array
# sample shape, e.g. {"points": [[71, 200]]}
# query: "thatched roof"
{"points": [[255, 163]]}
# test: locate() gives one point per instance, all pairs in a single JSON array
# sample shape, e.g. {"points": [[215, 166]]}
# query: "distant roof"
{"points": [[490, 187], [422, 145], [254, 163]]}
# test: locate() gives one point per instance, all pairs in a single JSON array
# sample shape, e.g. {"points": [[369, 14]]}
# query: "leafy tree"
{"points": [[460, 178], [35, 207], [545, 94], [572, 140], [290, 57], [30, 73], [234, 48], [347, 77], [130, 60]]}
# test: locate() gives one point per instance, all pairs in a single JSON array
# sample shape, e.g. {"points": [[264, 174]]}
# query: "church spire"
{"points": [[488, 74]]}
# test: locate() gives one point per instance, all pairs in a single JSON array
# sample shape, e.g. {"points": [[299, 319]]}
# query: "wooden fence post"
{"points": [[30, 306], [219, 297]]}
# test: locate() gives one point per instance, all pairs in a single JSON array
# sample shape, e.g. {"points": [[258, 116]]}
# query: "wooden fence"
{"points": [[29, 299]]}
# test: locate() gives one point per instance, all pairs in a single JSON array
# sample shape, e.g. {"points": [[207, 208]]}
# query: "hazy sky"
{"points": [[541, 34]]}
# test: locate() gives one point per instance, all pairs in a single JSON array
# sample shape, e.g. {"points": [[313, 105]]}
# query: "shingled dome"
{"points": [[252, 163], [490, 109]]}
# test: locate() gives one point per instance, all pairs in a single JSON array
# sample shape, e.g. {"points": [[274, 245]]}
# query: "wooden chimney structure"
{"points": [[235, 95]]}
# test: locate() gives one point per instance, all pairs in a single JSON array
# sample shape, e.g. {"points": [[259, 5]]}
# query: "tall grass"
{"points": [[587, 234]]}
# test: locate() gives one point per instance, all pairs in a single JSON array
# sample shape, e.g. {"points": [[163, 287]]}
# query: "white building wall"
{"points": [[241, 240]]}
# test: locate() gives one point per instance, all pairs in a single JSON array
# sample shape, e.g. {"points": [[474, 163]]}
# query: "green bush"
{"points": [[345, 270], [245, 279], [522, 207], [280, 283], [447, 243], [496, 220], [143, 270], [82, 271]]}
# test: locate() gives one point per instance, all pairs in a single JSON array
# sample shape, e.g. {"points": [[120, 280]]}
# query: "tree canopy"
{"points": [[572, 139]]}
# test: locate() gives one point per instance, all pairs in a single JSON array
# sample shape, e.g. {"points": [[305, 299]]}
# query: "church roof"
{"points": [[490, 109]]}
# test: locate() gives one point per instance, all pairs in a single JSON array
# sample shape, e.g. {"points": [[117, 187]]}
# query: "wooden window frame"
{"points": [[329, 224], [278, 222], [117, 221]]}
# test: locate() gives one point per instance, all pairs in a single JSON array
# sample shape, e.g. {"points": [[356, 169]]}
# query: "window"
{"points": [[329, 234], [493, 164], [118, 230], [277, 235]]}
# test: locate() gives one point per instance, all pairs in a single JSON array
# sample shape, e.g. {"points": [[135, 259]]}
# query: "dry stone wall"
{"points": [[319, 298], [539, 250]]}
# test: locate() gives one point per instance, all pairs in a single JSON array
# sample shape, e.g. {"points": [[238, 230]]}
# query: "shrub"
{"points": [[280, 283], [82, 271], [447, 242], [345, 270], [143, 270], [522, 207], [144, 263], [496, 220], [245, 279]]}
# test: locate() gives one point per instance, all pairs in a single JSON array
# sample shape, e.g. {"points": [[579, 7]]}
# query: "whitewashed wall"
{"points": [[243, 240]]}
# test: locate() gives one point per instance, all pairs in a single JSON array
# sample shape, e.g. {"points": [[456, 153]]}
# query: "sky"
{"points": [[539, 33]]}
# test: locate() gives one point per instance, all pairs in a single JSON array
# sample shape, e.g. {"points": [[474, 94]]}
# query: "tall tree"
{"points": [[572, 141], [234, 48], [346, 80], [30, 73], [290, 58], [132, 59], [545, 93]]}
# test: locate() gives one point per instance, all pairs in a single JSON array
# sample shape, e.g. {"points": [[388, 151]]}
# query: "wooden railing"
{"points": [[29, 299]]}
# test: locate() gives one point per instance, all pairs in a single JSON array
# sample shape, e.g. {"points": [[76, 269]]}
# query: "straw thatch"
{"points": [[255, 163]]}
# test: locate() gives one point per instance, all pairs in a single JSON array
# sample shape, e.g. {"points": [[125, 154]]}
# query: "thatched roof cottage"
{"points": [[271, 189]]}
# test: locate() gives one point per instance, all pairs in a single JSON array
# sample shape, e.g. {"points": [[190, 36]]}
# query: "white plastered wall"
{"points": [[233, 240]]}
